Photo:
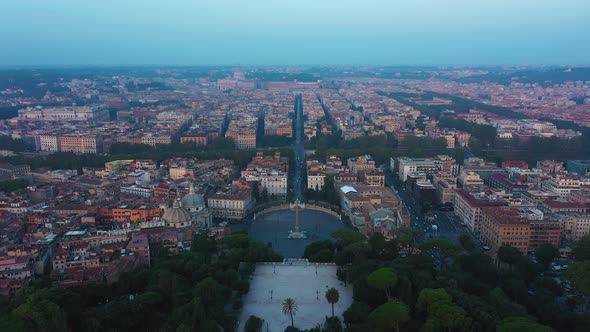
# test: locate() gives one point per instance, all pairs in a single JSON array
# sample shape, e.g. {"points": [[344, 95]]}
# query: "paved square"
{"points": [[305, 282]]}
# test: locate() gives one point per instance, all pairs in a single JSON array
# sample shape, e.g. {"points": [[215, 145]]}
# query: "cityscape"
{"points": [[286, 196]]}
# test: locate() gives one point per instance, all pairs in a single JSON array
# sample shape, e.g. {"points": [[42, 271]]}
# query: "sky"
{"points": [[288, 32]]}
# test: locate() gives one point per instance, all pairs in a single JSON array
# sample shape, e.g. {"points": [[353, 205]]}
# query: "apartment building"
{"points": [[468, 207], [80, 144], [574, 225], [231, 205], [505, 226], [561, 185]]}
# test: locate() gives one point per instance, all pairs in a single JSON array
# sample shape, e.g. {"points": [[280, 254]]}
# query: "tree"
{"points": [[383, 279], [429, 296], [442, 249], [466, 242], [582, 249], [358, 250], [357, 313], [383, 249], [290, 308], [409, 237], [521, 324], [546, 253], [41, 314], [508, 254], [253, 324], [449, 315], [346, 236], [579, 274], [390, 315], [332, 296]]}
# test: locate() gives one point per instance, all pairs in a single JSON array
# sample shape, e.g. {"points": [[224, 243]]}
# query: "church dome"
{"points": [[176, 214], [193, 200]]}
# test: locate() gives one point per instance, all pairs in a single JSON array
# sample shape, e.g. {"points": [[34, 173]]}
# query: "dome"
{"points": [[193, 200], [176, 214]]}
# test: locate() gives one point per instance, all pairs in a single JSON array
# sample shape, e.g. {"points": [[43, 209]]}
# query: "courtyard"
{"points": [[304, 282]]}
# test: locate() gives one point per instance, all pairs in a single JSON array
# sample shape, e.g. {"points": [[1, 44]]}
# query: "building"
{"points": [[544, 231], [80, 143], [315, 179], [14, 171], [561, 185], [49, 143], [503, 182], [574, 226], [195, 139], [445, 191], [429, 166], [468, 207], [467, 179], [374, 177], [195, 205], [270, 172], [64, 113], [177, 216], [141, 191], [275, 183], [505, 226], [363, 163], [15, 268], [231, 205]]}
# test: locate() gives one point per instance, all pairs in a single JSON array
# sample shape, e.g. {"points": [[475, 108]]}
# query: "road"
{"points": [[298, 150], [446, 225]]}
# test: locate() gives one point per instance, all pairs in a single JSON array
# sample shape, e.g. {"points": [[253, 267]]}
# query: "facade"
{"points": [[140, 191], [198, 140], [574, 226], [49, 143], [195, 205], [72, 113], [467, 179], [468, 207], [231, 205], [429, 166], [80, 144], [14, 268], [275, 183], [445, 191], [505, 226], [561, 185], [544, 231], [315, 180]]}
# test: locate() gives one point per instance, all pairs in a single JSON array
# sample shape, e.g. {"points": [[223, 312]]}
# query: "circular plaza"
{"points": [[274, 227]]}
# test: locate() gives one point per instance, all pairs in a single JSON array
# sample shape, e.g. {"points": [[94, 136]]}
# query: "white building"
{"points": [[561, 185], [274, 182], [231, 205], [575, 226]]}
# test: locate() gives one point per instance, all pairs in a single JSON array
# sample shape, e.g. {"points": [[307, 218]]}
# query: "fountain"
{"points": [[297, 234]]}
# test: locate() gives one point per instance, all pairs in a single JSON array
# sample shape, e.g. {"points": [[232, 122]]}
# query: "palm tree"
{"points": [[332, 296], [290, 308]]}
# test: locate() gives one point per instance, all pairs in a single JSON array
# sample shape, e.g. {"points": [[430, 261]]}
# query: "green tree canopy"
{"points": [[429, 296], [582, 249], [390, 315], [579, 274], [384, 279], [521, 324], [546, 253]]}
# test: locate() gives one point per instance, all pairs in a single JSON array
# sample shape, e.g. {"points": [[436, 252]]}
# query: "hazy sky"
{"points": [[275, 32]]}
